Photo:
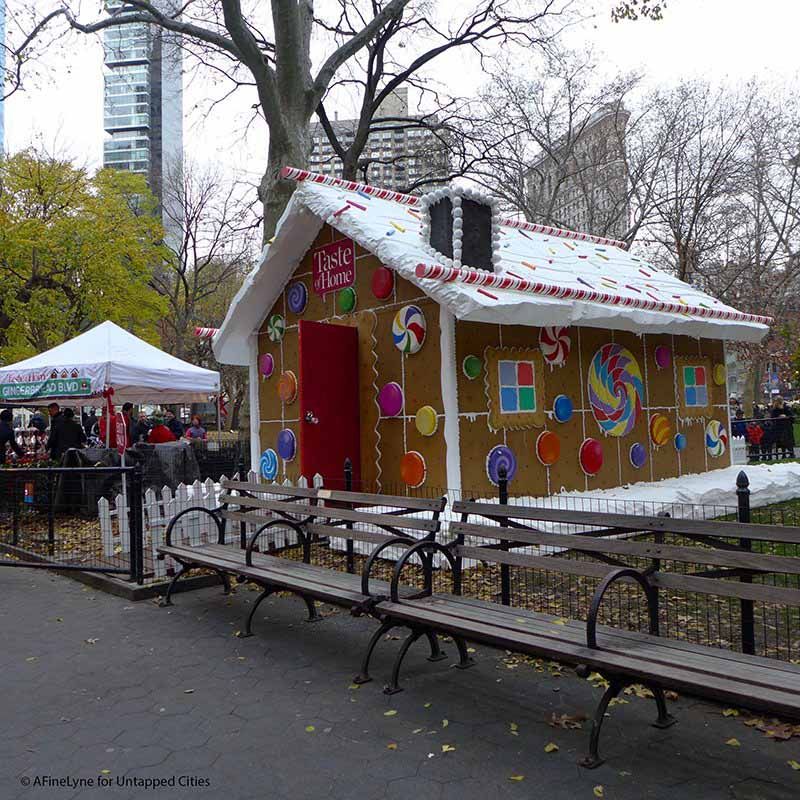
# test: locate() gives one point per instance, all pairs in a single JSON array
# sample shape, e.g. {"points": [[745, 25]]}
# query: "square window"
{"points": [[688, 376], [691, 396], [699, 376], [508, 400], [525, 373], [527, 398], [702, 396], [508, 373]]}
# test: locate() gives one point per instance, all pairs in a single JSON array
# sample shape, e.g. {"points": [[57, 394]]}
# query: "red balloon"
{"points": [[591, 456], [382, 283]]}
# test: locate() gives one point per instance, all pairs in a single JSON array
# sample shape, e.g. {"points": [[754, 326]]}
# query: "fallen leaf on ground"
{"points": [[551, 747], [390, 713], [733, 742], [730, 712], [447, 748], [516, 777], [391, 746], [310, 729], [794, 764], [427, 705], [188, 691], [445, 723], [598, 791], [566, 721]]}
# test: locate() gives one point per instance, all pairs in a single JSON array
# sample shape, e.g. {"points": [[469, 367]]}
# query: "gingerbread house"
{"points": [[433, 343]]}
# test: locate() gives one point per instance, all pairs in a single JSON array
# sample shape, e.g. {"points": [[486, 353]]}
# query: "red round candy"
{"points": [[382, 283], [591, 456]]}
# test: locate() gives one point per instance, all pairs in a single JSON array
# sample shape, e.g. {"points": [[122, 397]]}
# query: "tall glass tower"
{"points": [[143, 104]]}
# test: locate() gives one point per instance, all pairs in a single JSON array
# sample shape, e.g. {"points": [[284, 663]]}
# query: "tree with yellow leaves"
{"points": [[75, 250]]}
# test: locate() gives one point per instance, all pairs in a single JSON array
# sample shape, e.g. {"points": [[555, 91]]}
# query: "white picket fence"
{"points": [[158, 508]]}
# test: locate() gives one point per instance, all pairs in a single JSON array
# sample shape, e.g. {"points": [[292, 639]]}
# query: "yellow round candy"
{"points": [[426, 420], [719, 374]]}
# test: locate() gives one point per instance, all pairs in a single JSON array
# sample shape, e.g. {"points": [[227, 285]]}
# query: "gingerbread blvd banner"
{"points": [[334, 266]]}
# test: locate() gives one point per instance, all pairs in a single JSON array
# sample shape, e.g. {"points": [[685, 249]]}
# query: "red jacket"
{"points": [[160, 434]]}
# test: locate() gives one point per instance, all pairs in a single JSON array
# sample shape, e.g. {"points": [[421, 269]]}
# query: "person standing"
{"points": [[141, 428], [127, 412], [38, 421], [7, 435], [68, 434], [196, 429], [160, 433], [784, 426], [174, 424]]}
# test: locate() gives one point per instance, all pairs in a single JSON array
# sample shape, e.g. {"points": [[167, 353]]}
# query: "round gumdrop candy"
{"points": [[412, 469], [590, 456], [548, 448], [382, 283], [390, 399]]}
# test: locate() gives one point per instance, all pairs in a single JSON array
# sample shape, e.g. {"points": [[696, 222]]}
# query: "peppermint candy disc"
{"points": [[555, 344], [275, 327], [408, 329], [716, 438]]}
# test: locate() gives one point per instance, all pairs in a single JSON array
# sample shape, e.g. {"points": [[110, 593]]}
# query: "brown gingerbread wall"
{"points": [[660, 397], [383, 440]]}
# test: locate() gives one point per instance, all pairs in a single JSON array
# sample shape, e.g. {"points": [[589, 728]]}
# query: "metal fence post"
{"points": [[743, 514], [505, 569], [348, 487], [51, 513], [137, 524]]}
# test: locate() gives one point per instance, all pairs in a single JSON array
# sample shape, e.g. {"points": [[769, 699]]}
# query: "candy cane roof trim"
{"points": [[545, 276]]}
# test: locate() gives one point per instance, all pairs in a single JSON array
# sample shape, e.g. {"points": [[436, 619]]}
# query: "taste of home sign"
{"points": [[334, 266]]}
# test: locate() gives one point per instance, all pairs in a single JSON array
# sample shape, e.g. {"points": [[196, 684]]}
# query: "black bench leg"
{"points": [[465, 660], [167, 599], [436, 652], [593, 759], [364, 676], [248, 626], [665, 719], [226, 584], [394, 687], [312, 609]]}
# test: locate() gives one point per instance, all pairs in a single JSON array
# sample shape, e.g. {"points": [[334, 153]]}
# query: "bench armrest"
{"points": [[393, 542], [420, 547], [616, 575], [295, 526], [214, 513]]}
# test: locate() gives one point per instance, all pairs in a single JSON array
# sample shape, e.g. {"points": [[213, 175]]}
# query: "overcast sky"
{"points": [[718, 39]]}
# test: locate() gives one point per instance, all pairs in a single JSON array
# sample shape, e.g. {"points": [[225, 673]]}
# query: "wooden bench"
{"points": [[622, 657], [312, 515]]}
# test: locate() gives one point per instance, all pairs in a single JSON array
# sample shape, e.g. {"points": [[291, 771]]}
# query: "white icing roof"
{"points": [[544, 277]]}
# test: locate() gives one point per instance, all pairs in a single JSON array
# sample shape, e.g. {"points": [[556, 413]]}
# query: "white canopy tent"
{"points": [[106, 357]]}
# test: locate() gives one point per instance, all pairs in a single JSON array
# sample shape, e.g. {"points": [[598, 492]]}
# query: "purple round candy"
{"points": [[266, 365], [663, 356], [287, 444], [297, 297], [500, 456], [638, 455], [390, 399]]}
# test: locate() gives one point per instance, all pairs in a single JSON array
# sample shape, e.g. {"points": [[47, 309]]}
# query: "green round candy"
{"points": [[472, 367], [346, 300]]}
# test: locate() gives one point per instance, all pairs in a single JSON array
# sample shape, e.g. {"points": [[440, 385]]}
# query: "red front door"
{"points": [[329, 413]]}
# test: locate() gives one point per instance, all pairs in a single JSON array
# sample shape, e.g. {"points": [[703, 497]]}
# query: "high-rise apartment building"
{"points": [[398, 153], [143, 103], [582, 183]]}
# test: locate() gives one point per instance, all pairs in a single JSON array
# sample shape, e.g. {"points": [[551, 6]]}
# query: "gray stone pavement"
{"points": [[94, 686]]}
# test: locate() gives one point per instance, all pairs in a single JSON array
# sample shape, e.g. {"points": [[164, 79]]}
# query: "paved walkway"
{"points": [[92, 686]]}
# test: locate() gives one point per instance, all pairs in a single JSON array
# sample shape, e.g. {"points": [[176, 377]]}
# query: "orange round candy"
{"points": [[548, 448], [660, 429], [287, 386], [412, 469]]}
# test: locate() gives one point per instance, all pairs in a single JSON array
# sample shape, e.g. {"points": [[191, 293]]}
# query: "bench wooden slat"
{"points": [[649, 550], [712, 661], [333, 513], [669, 676], [633, 524], [334, 531], [398, 501], [270, 488], [666, 580]]}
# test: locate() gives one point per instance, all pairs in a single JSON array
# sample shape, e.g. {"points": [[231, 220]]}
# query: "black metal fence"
{"points": [[216, 458], [48, 518]]}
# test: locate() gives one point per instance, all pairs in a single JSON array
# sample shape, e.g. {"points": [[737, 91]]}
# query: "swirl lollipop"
{"points": [[555, 344], [297, 297], [287, 387], [268, 465], [500, 456], [276, 325], [408, 329], [716, 438], [616, 389], [660, 429]]}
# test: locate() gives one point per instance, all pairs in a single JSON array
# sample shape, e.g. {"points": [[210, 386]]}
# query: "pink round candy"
{"points": [[390, 399], [663, 356]]}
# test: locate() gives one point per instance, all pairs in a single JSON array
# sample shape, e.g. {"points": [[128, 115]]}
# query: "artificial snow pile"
{"points": [[769, 483]]}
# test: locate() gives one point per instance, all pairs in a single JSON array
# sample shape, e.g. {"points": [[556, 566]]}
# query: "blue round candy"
{"points": [[638, 455], [562, 408], [680, 441], [287, 444], [269, 464], [500, 456]]}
